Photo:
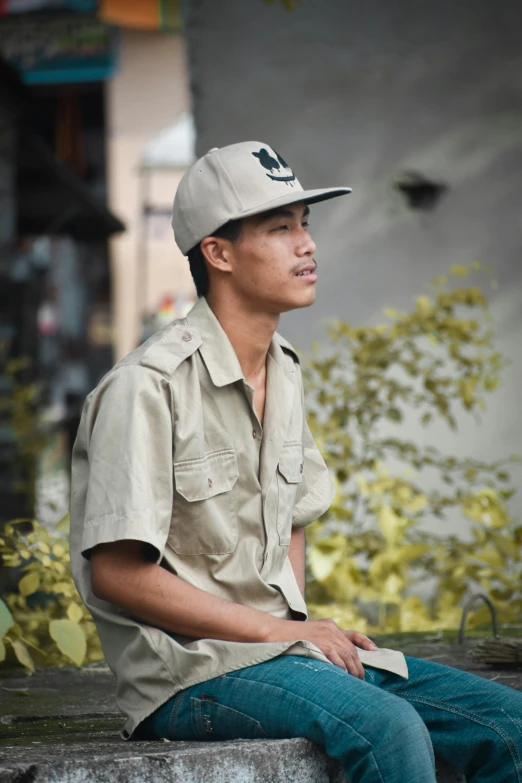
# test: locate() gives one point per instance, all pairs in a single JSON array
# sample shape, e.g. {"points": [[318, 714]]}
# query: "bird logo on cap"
{"points": [[275, 164]]}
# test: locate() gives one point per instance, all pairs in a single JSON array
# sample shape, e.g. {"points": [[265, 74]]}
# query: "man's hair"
{"points": [[198, 266]]}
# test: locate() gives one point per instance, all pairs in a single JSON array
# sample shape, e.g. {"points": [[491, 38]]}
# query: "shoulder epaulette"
{"points": [[167, 349]]}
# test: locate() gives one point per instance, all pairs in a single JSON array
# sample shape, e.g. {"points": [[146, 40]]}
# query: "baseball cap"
{"points": [[234, 182]]}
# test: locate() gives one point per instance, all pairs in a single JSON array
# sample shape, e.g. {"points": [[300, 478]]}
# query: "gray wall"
{"points": [[356, 93]]}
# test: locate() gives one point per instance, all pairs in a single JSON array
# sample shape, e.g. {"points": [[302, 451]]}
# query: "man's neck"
{"points": [[249, 332]]}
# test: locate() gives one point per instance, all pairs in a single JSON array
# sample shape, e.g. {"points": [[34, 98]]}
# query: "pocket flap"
{"points": [[291, 464], [200, 479]]}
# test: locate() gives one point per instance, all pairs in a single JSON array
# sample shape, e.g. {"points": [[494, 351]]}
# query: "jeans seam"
{"points": [[471, 716], [322, 709], [176, 707], [196, 719]]}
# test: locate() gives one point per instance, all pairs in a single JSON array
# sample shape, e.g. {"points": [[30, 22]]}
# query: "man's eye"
{"points": [[306, 225], [282, 228]]}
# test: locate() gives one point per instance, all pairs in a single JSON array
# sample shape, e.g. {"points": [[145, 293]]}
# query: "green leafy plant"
{"points": [[371, 552], [45, 622]]}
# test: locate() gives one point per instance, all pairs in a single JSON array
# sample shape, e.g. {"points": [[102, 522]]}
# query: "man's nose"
{"points": [[307, 246]]}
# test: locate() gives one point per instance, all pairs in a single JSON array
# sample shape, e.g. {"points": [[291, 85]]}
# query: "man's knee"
{"points": [[398, 724], [408, 726], [388, 735]]}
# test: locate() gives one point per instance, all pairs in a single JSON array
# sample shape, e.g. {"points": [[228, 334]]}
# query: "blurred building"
{"points": [[55, 283], [150, 142], [97, 125]]}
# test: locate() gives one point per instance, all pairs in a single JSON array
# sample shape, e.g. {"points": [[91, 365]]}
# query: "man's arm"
{"points": [[122, 574], [296, 555]]}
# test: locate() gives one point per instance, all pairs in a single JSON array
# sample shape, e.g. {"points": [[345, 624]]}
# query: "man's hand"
{"points": [[340, 647], [123, 574]]}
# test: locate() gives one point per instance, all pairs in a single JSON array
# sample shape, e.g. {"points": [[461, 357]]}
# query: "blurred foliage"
{"points": [[45, 622], [370, 555], [19, 412]]}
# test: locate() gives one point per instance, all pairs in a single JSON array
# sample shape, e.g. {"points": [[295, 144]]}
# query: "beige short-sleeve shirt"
{"points": [[170, 452]]}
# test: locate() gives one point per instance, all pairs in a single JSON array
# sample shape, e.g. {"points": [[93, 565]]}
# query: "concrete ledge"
{"points": [[88, 749], [240, 761], [62, 726]]}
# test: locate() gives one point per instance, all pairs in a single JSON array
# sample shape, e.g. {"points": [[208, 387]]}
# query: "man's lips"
{"points": [[307, 273]]}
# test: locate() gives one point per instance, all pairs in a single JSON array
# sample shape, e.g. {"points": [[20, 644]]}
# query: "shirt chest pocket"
{"points": [[204, 511], [289, 477]]}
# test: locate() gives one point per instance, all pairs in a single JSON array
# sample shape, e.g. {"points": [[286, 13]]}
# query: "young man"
{"points": [[194, 474]]}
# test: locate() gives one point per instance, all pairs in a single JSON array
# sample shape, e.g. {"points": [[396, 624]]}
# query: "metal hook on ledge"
{"points": [[468, 606]]}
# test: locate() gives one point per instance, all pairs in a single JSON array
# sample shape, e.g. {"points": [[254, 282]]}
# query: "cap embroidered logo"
{"points": [[275, 164]]}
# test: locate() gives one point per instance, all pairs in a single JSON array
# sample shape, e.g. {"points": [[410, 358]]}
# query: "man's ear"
{"points": [[216, 253]]}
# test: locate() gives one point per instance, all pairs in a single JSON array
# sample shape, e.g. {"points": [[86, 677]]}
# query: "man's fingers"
{"points": [[355, 667], [349, 661], [361, 640], [334, 658], [353, 662], [359, 668]]}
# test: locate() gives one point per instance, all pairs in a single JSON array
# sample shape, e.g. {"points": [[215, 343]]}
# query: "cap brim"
{"points": [[297, 197]]}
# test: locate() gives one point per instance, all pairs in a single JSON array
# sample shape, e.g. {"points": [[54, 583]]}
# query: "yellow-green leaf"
{"points": [[6, 619], [70, 639], [417, 504], [411, 552], [459, 270], [74, 613], [63, 524], [29, 583], [23, 656], [392, 588], [424, 306], [2, 651], [323, 562], [489, 555], [59, 550], [11, 561], [505, 546], [391, 524]]}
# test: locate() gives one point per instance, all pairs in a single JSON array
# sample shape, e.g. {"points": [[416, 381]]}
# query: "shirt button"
{"points": [[210, 483], [254, 434], [186, 336]]}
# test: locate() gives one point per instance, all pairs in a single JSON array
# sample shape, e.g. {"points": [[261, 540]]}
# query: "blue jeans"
{"points": [[383, 729]]}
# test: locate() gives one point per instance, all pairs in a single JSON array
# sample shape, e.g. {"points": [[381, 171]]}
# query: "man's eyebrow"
{"points": [[281, 212]]}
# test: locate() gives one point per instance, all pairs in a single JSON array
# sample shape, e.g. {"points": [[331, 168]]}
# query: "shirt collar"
{"points": [[217, 351]]}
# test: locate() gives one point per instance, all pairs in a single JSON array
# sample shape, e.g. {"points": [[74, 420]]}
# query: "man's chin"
{"points": [[298, 302]]}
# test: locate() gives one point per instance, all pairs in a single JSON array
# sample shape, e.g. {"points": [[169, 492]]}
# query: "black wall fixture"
{"points": [[418, 191]]}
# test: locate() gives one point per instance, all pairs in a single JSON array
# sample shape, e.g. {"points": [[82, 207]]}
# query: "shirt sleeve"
{"points": [[317, 490], [129, 445]]}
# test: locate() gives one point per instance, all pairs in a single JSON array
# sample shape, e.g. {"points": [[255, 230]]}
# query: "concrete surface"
{"points": [[62, 726]]}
